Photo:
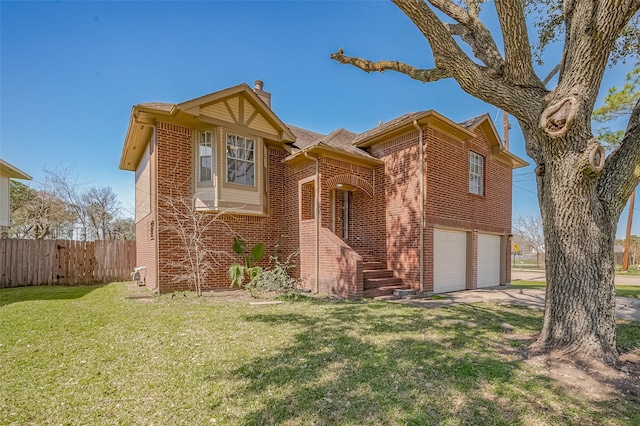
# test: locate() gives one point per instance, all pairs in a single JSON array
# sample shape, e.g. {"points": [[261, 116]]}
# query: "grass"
{"points": [[87, 355], [621, 290]]}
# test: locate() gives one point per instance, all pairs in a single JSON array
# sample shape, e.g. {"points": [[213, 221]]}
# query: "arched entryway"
{"points": [[343, 215]]}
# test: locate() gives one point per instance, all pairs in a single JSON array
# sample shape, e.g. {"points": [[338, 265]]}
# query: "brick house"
{"points": [[419, 202]]}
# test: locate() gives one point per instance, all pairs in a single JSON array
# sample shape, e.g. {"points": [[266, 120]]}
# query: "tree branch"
{"points": [[621, 173], [472, 31], [553, 72], [480, 82], [518, 62], [424, 75], [592, 29]]}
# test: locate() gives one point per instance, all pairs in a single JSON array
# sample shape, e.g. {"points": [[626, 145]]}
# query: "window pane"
{"points": [[240, 160], [205, 169], [476, 166], [205, 155]]}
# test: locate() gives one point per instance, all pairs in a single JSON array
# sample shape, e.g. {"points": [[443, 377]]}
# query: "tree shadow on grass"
{"points": [[370, 364], [24, 294]]}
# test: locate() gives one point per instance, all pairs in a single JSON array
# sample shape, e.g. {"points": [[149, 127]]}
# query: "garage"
{"points": [[488, 260], [450, 260]]}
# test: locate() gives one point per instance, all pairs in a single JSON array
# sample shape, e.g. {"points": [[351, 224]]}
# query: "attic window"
{"points": [[241, 160]]}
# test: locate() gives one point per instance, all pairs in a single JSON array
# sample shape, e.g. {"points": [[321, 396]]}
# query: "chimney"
{"points": [[265, 96]]}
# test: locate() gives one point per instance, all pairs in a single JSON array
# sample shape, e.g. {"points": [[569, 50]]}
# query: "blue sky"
{"points": [[71, 71]]}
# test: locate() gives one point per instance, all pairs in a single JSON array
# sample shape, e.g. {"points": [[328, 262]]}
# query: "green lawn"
{"points": [[621, 290], [87, 355]]}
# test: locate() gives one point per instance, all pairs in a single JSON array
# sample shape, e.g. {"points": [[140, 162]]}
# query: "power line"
{"points": [[526, 190]]}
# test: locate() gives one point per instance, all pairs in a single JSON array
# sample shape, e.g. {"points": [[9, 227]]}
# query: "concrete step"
{"points": [[370, 283], [377, 273], [371, 266], [382, 291]]}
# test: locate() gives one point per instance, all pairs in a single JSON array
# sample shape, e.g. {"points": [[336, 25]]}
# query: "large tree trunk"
{"points": [[579, 237]]}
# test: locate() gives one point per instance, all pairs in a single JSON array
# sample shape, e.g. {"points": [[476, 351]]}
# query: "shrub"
{"points": [[277, 279], [237, 273]]}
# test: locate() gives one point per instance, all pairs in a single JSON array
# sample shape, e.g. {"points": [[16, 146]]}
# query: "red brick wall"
{"points": [[383, 224], [448, 202], [174, 150], [340, 267], [400, 184]]}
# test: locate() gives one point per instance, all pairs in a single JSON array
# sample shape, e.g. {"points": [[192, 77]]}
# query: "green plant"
{"points": [[276, 279], [250, 270]]}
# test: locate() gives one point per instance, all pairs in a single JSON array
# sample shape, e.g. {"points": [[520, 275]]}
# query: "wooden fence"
{"points": [[36, 262]]}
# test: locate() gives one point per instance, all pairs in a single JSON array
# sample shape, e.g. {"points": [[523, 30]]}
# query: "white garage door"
{"points": [[488, 260], [450, 260]]}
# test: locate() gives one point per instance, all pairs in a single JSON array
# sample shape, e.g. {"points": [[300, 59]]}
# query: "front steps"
{"points": [[379, 281]]}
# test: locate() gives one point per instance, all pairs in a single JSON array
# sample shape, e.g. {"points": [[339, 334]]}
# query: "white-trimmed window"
{"points": [[205, 156], [476, 173], [241, 160]]}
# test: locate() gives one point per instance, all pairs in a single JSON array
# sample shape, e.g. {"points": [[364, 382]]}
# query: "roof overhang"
{"points": [[143, 119], [497, 149], [428, 118], [329, 151], [9, 170]]}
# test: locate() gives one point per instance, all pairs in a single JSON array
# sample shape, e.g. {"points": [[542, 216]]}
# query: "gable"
{"points": [[240, 110]]}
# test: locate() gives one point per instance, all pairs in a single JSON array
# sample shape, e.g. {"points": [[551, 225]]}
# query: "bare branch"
{"points": [[483, 83], [425, 75], [452, 10], [474, 8], [472, 31], [621, 172], [553, 72], [518, 62]]}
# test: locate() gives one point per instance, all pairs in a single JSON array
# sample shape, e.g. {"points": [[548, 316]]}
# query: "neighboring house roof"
{"points": [[9, 170]]}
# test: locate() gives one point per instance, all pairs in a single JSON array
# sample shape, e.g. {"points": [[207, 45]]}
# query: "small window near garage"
{"points": [[476, 173], [241, 160], [205, 156]]}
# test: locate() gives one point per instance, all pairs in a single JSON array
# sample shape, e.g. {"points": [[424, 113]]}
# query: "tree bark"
{"points": [[579, 236]]}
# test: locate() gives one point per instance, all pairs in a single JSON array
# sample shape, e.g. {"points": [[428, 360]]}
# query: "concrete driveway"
{"points": [[532, 275], [626, 307]]}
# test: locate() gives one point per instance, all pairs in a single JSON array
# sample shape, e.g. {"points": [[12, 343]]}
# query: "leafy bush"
{"points": [[277, 279], [237, 273]]}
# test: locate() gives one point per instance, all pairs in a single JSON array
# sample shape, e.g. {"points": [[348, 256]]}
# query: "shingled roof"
{"points": [[474, 121], [340, 140], [304, 137], [383, 127], [160, 106]]}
